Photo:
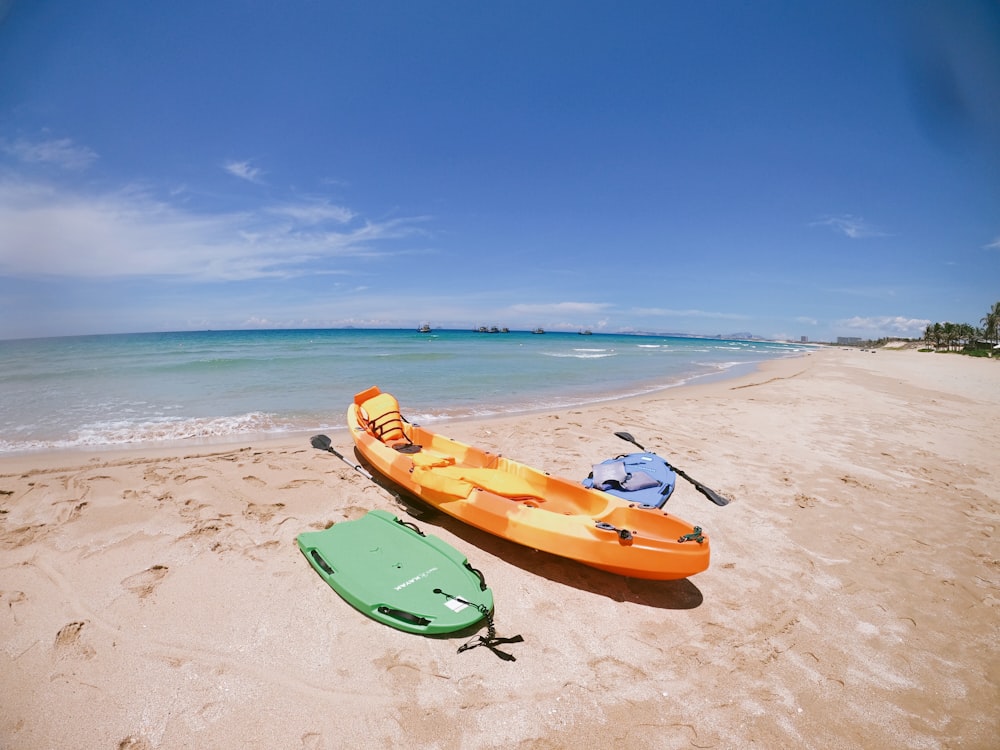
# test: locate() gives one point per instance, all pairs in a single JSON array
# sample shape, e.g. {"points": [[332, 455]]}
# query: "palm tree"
{"points": [[991, 324], [949, 333], [969, 333]]}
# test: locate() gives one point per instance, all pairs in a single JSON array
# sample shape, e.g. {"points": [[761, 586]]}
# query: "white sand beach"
{"points": [[157, 598]]}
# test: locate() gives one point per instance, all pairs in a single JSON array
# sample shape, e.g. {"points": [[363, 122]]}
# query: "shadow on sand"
{"points": [[680, 594]]}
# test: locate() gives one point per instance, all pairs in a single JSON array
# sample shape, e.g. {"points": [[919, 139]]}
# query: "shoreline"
{"points": [[142, 393], [265, 440], [155, 598]]}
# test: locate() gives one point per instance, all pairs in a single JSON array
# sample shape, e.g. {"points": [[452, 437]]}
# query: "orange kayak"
{"points": [[519, 503]]}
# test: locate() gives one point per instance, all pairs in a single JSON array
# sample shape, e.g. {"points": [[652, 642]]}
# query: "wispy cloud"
{"points": [[59, 152], [995, 245], [314, 212], [807, 320], [50, 231], [851, 226], [662, 312], [886, 325], [869, 292], [244, 170]]}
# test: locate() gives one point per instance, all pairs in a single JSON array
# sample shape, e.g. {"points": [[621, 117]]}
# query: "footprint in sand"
{"points": [[313, 741], [296, 483], [184, 479], [68, 641], [405, 673], [22, 535], [208, 527], [172, 661], [133, 743], [354, 512], [146, 494], [10, 598], [321, 525], [69, 634], [855, 482], [255, 481], [805, 501], [262, 513], [153, 476], [611, 672], [143, 584], [71, 514], [211, 712]]}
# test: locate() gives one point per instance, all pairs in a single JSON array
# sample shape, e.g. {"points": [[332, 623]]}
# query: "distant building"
{"points": [[804, 340], [848, 341]]}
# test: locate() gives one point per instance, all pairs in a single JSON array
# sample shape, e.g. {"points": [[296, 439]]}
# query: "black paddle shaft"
{"points": [[711, 494], [325, 444]]}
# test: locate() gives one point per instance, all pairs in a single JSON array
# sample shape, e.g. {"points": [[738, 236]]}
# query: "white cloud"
{"points": [[887, 325], [851, 226], [995, 245], [49, 231], [244, 170], [60, 152], [807, 320]]}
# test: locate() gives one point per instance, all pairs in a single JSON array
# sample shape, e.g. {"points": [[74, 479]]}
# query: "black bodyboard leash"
{"points": [[490, 640]]}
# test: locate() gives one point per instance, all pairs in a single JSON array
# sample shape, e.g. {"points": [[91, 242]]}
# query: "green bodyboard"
{"points": [[395, 574]]}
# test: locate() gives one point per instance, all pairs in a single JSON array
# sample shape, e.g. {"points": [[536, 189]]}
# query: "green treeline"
{"points": [[963, 336]]}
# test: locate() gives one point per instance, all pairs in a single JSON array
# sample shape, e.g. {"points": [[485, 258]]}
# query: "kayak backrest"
{"points": [[382, 418], [609, 474]]}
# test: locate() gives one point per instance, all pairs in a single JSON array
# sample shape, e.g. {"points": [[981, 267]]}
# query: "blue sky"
{"points": [[788, 169]]}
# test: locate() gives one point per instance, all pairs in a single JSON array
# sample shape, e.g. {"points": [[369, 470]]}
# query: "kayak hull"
{"points": [[524, 505]]}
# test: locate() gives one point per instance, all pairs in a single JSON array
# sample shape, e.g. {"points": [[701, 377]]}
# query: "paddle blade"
{"points": [[627, 437], [322, 442], [711, 494]]}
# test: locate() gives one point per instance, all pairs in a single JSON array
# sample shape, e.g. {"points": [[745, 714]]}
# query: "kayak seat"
{"points": [[644, 479], [427, 460], [498, 482]]}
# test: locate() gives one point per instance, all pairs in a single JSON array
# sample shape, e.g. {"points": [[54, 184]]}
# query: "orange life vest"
{"points": [[382, 417]]}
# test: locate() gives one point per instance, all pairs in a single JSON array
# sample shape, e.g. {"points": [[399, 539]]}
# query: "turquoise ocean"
{"points": [[131, 390]]}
